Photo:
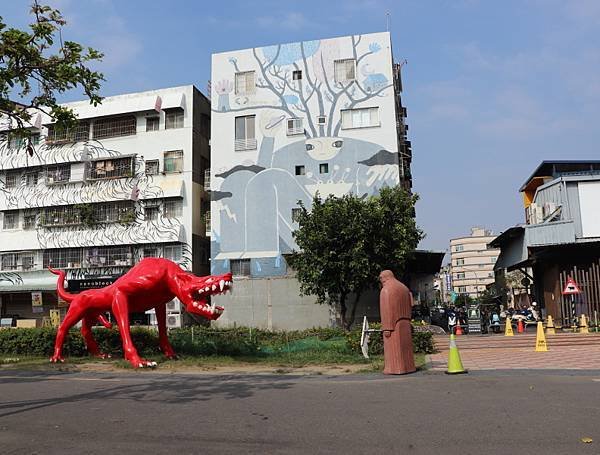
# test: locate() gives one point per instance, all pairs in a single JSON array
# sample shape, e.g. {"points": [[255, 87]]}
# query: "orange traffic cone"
{"points": [[459, 330], [520, 326]]}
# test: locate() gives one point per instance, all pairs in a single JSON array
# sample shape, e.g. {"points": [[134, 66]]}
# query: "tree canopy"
{"points": [[345, 242], [36, 65]]}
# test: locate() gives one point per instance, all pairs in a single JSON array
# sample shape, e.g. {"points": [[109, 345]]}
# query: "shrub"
{"points": [[422, 341]]}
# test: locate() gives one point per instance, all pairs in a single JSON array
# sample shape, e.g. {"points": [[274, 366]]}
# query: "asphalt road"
{"points": [[515, 412]]}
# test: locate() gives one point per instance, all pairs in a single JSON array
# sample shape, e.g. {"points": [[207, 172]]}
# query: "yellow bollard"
{"points": [[583, 325], [550, 329], [508, 330], [540, 339]]}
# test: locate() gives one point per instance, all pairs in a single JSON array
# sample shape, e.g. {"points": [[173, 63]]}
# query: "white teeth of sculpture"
{"points": [[222, 284], [214, 287], [207, 288]]}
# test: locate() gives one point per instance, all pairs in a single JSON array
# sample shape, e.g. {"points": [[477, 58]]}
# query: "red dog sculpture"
{"points": [[149, 284]]}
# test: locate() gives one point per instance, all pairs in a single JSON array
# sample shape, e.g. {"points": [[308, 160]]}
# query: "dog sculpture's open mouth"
{"points": [[200, 297]]}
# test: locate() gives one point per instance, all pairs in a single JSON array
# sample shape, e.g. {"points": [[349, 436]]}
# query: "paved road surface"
{"points": [[483, 412]]}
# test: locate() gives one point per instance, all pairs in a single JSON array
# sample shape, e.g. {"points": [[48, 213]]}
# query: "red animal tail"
{"points": [[60, 285]]}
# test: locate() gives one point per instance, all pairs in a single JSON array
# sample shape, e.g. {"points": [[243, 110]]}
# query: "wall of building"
{"points": [[255, 189]]}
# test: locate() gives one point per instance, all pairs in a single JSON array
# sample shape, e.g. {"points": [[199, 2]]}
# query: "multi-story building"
{"points": [[560, 238], [472, 263], [126, 183], [288, 121]]}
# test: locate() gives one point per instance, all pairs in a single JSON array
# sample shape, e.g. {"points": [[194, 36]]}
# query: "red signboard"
{"points": [[571, 287]]}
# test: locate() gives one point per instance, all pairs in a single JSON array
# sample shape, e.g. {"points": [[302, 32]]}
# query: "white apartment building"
{"points": [[126, 183], [288, 121], [472, 263]]}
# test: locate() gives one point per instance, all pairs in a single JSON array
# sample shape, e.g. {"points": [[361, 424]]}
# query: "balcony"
{"points": [[207, 179]]}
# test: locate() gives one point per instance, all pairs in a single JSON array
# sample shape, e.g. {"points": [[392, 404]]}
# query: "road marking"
{"points": [[54, 378]]}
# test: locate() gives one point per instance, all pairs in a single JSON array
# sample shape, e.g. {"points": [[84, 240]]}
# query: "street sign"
{"points": [[474, 318], [571, 287]]}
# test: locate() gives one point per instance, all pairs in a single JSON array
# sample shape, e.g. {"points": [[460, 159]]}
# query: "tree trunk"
{"points": [[343, 310], [348, 322]]}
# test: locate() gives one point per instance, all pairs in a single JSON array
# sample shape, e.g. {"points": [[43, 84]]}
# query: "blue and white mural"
{"points": [[255, 190]]}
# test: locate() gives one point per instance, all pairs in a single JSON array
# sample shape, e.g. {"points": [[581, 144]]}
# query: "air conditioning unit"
{"points": [[174, 306], [173, 321]]}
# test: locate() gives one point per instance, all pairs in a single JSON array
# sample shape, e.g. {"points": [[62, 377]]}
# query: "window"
{"points": [[59, 173], [321, 120], [360, 118], [323, 168], [460, 262], [151, 211], [152, 123], [152, 167], [172, 252], [27, 261], [15, 141], [244, 133], [173, 118], [462, 289], [29, 219], [460, 276], [114, 212], [296, 214], [151, 252], [244, 83], [11, 220], [63, 258], [297, 75], [459, 248], [9, 261], [491, 275], [493, 259], [300, 170], [108, 256], [81, 132], [105, 128], [173, 208], [61, 216], [345, 70], [240, 267], [294, 126], [13, 179], [111, 169], [173, 161], [31, 178]]}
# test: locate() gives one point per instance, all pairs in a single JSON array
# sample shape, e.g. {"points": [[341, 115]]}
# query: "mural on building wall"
{"points": [[139, 188], [254, 198]]}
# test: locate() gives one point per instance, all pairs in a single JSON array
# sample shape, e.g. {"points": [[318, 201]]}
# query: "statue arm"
{"points": [[388, 321]]}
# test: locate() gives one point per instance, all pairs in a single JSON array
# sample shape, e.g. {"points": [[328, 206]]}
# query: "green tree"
{"points": [[36, 66], [344, 243]]}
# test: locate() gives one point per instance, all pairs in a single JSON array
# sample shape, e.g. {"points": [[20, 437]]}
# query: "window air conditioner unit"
{"points": [[174, 306], [174, 321]]}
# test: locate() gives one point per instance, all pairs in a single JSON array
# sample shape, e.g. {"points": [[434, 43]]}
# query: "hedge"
{"points": [[199, 340]]}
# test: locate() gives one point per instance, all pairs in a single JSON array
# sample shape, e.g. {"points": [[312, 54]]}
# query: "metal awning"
{"points": [[19, 288]]}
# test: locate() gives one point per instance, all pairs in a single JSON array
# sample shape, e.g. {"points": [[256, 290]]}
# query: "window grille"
{"points": [[151, 212], [294, 126], [114, 212], [10, 261], [173, 208], [15, 142], [240, 267], [66, 215], [345, 70], [152, 123], [81, 132], [29, 219], [31, 178], [113, 168], [27, 261], [173, 118], [244, 83], [11, 220], [172, 252], [360, 118], [173, 161], [59, 173], [152, 167], [65, 258], [13, 179], [108, 256], [151, 252], [207, 179], [105, 128], [245, 138]]}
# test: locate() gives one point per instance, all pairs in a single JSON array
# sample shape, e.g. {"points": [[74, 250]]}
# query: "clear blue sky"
{"points": [[492, 87]]}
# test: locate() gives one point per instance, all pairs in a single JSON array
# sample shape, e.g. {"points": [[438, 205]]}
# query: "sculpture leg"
{"points": [[163, 339], [74, 314], [88, 336], [120, 309]]}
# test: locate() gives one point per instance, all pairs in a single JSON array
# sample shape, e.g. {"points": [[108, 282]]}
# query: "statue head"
{"points": [[193, 292], [386, 276]]}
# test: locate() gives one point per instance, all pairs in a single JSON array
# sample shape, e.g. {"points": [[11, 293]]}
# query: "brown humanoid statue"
{"points": [[395, 305]]}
